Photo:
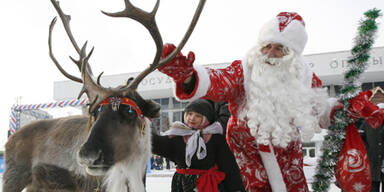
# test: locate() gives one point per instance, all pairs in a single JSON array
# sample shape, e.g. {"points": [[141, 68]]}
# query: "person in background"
{"points": [[167, 163], [203, 159], [374, 143], [159, 162], [222, 113]]}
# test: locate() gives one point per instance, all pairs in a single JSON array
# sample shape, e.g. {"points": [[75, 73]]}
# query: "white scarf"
{"points": [[196, 142]]}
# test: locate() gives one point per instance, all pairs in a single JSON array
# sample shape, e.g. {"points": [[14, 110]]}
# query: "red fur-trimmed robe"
{"points": [[285, 166]]}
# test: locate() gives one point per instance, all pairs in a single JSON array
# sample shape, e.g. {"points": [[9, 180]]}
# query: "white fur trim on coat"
{"points": [[273, 170], [203, 84], [325, 118], [306, 73]]}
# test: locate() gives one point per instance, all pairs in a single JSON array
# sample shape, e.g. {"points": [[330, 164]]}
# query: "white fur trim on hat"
{"points": [[293, 36]]}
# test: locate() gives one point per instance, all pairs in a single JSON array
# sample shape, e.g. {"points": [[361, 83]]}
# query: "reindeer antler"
{"points": [[148, 20], [145, 18], [69, 76], [95, 92]]}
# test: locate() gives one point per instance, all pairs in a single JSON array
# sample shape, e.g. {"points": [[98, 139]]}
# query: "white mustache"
{"points": [[272, 61]]}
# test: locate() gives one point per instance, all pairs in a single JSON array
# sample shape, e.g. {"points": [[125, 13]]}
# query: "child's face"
{"points": [[193, 119]]}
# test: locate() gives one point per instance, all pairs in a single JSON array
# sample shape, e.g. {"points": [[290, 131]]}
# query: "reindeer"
{"points": [[104, 150]]}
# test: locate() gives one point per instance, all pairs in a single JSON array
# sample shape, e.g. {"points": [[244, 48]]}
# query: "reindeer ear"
{"points": [[151, 109]]}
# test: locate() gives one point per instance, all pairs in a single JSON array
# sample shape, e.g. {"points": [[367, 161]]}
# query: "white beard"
{"points": [[280, 106]]}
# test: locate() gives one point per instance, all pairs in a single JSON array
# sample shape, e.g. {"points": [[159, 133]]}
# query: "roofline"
{"points": [[337, 51]]}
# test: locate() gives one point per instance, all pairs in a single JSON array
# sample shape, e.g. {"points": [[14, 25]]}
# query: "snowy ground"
{"points": [[160, 181], [156, 184]]}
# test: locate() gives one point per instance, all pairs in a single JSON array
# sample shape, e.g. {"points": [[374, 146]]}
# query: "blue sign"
{"points": [[148, 166], [2, 165]]}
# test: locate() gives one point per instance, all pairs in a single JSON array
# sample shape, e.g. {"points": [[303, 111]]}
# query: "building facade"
{"points": [[157, 86]]}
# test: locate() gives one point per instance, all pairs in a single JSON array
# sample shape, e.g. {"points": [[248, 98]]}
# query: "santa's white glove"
{"points": [[325, 118]]}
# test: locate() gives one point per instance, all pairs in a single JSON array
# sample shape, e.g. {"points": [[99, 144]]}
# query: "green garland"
{"points": [[333, 142]]}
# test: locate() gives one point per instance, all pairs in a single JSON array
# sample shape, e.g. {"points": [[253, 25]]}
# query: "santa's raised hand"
{"points": [[181, 67]]}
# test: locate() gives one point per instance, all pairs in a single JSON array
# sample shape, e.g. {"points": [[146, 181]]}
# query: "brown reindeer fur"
{"points": [[38, 157], [60, 154]]}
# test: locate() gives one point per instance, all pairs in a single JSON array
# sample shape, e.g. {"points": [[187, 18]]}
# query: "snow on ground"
{"points": [[160, 181]]}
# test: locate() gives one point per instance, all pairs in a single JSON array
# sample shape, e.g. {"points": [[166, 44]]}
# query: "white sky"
{"points": [[225, 31]]}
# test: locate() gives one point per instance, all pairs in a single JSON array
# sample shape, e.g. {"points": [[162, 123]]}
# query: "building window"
{"points": [[367, 86], [312, 152], [309, 149], [177, 116], [338, 89], [176, 103], [184, 104], [164, 121], [156, 124], [157, 100], [309, 152], [164, 102], [380, 84], [161, 124], [304, 153]]}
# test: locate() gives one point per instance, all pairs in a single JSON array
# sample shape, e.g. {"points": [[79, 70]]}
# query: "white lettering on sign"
{"points": [[151, 81], [377, 61], [343, 63], [311, 64]]}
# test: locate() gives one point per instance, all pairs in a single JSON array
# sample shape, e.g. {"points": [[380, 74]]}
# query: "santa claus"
{"points": [[274, 100]]}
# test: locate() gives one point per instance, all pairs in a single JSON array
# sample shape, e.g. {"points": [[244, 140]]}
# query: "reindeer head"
{"points": [[117, 115]]}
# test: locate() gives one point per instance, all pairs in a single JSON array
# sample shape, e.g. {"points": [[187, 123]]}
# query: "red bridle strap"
{"points": [[124, 101]]}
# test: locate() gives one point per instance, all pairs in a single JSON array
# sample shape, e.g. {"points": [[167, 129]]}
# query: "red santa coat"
{"points": [[285, 166]]}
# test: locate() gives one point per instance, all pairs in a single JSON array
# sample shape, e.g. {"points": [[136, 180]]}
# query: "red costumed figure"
{"points": [[274, 100]]}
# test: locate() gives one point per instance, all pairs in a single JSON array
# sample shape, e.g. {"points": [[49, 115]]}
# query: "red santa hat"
{"points": [[288, 29]]}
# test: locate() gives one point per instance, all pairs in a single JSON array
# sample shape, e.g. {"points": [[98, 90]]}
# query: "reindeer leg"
{"points": [[16, 178], [52, 178]]}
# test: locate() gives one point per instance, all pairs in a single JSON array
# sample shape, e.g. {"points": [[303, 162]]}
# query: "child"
{"points": [[198, 148]]}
